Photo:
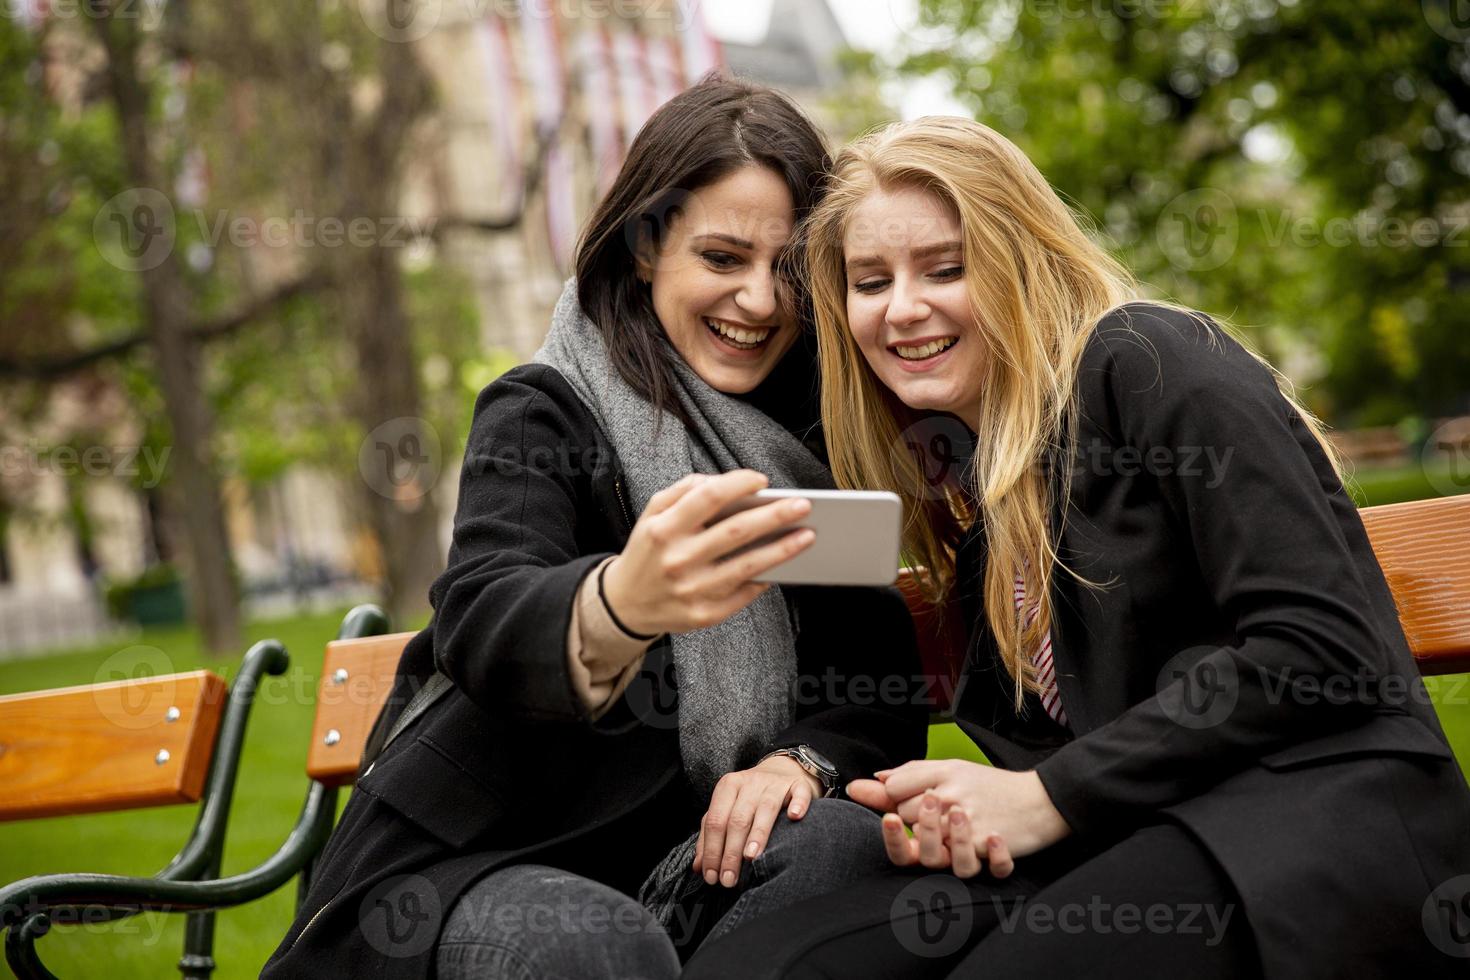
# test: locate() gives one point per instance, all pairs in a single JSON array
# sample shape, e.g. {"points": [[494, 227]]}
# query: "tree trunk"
{"points": [[400, 462], [193, 487]]}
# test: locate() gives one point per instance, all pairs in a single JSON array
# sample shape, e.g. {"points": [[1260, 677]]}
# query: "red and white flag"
{"points": [[662, 59], [635, 91], [701, 52], [541, 39], [599, 96], [503, 98]]}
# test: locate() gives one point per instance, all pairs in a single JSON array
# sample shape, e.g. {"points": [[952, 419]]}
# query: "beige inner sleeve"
{"points": [[602, 658]]}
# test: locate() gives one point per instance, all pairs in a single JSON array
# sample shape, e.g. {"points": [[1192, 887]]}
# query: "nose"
{"points": [[757, 295], [905, 305]]}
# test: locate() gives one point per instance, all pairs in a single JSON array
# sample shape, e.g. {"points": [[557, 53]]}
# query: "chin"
{"points": [[730, 382], [923, 397]]}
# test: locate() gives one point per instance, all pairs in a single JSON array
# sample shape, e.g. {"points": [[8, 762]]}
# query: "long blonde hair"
{"points": [[1044, 288]]}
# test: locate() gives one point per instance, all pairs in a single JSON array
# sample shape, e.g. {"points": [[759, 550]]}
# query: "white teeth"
{"points": [[926, 350], [741, 336]]}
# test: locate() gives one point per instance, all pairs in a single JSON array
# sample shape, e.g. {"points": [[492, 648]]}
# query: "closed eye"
{"points": [[871, 285], [720, 260]]}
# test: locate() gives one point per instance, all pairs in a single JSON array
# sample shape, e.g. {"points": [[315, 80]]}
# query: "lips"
{"points": [[923, 350], [739, 336]]}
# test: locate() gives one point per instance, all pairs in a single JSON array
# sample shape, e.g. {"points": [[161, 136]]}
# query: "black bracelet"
{"points": [[602, 594]]}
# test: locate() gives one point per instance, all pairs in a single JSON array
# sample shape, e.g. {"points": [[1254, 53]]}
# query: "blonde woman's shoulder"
{"points": [[1145, 342]]}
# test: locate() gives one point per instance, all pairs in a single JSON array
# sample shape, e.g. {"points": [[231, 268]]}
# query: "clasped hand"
{"points": [[964, 815]]}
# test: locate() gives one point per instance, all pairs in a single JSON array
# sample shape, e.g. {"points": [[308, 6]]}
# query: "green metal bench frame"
{"points": [[189, 883]]}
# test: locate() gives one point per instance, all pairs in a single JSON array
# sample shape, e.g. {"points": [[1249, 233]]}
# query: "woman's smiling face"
{"points": [[714, 279], [907, 304]]}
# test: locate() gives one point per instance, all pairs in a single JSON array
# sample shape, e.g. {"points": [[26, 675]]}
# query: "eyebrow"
{"points": [[729, 239], [923, 252]]}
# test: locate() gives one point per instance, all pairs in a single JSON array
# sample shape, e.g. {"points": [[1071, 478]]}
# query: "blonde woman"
{"points": [[1213, 755]]}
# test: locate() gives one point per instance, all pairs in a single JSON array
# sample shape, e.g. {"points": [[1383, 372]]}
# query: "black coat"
{"points": [[1242, 670], [508, 768]]}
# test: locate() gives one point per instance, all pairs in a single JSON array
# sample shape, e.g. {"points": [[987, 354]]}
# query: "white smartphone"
{"points": [[857, 537]]}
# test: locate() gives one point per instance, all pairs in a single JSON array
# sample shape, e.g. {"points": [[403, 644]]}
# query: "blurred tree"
{"points": [[1299, 167], [357, 354]]}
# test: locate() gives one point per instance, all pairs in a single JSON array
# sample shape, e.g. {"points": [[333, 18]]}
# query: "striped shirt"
{"points": [[1046, 673]]}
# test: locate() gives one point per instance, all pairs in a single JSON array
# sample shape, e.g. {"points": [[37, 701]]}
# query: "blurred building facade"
{"points": [[562, 96]]}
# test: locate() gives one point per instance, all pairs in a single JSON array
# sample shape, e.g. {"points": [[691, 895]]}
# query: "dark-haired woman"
{"points": [[549, 768]]}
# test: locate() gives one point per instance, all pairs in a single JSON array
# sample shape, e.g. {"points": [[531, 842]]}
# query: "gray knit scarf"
{"points": [[735, 678]]}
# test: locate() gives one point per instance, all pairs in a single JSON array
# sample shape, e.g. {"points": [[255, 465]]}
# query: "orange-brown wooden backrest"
{"points": [[110, 746], [357, 676], [1424, 548]]}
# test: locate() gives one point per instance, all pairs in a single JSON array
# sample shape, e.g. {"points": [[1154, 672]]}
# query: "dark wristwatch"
{"points": [[816, 765]]}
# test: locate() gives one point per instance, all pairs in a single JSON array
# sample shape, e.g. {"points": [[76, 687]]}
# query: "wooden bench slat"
{"points": [[357, 677], [1424, 548], [96, 747]]}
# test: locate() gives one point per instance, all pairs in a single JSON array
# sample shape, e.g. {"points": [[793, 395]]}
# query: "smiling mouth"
{"points": [[923, 352], [740, 337]]}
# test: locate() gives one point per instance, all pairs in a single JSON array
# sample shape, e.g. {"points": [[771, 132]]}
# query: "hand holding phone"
{"points": [[677, 572], [857, 536]]}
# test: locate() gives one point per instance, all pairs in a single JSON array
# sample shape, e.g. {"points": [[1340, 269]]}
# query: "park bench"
{"points": [[177, 738]]}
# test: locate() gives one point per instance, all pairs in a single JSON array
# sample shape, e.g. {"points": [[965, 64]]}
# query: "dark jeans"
{"points": [[1154, 904], [532, 922]]}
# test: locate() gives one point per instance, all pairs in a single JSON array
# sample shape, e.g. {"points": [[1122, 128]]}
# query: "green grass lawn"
{"points": [[271, 787], [270, 790], [1405, 483]]}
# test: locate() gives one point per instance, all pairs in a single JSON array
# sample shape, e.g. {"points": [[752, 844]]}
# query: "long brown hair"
{"points": [[696, 138]]}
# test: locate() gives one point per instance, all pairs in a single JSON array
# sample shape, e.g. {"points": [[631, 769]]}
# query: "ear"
{"points": [[645, 253]]}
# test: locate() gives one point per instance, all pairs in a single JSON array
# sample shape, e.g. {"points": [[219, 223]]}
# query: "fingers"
{"points": [[760, 827], [700, 503], [712, 830], [902, 851], [912, 778], [734, 572], [871, 794], [998, 856], [962, 844], [932, 852], [801, 799], [751, 525], [673, 493], [737, 833]]}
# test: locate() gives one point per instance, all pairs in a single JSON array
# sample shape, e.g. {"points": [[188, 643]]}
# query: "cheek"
{"points": [[862, 322]]}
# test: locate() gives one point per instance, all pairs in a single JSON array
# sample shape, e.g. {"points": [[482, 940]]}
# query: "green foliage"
{"points": [[1298, 167]]}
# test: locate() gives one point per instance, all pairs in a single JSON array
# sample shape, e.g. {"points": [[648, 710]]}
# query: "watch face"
{"points": [[821, 760]]}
